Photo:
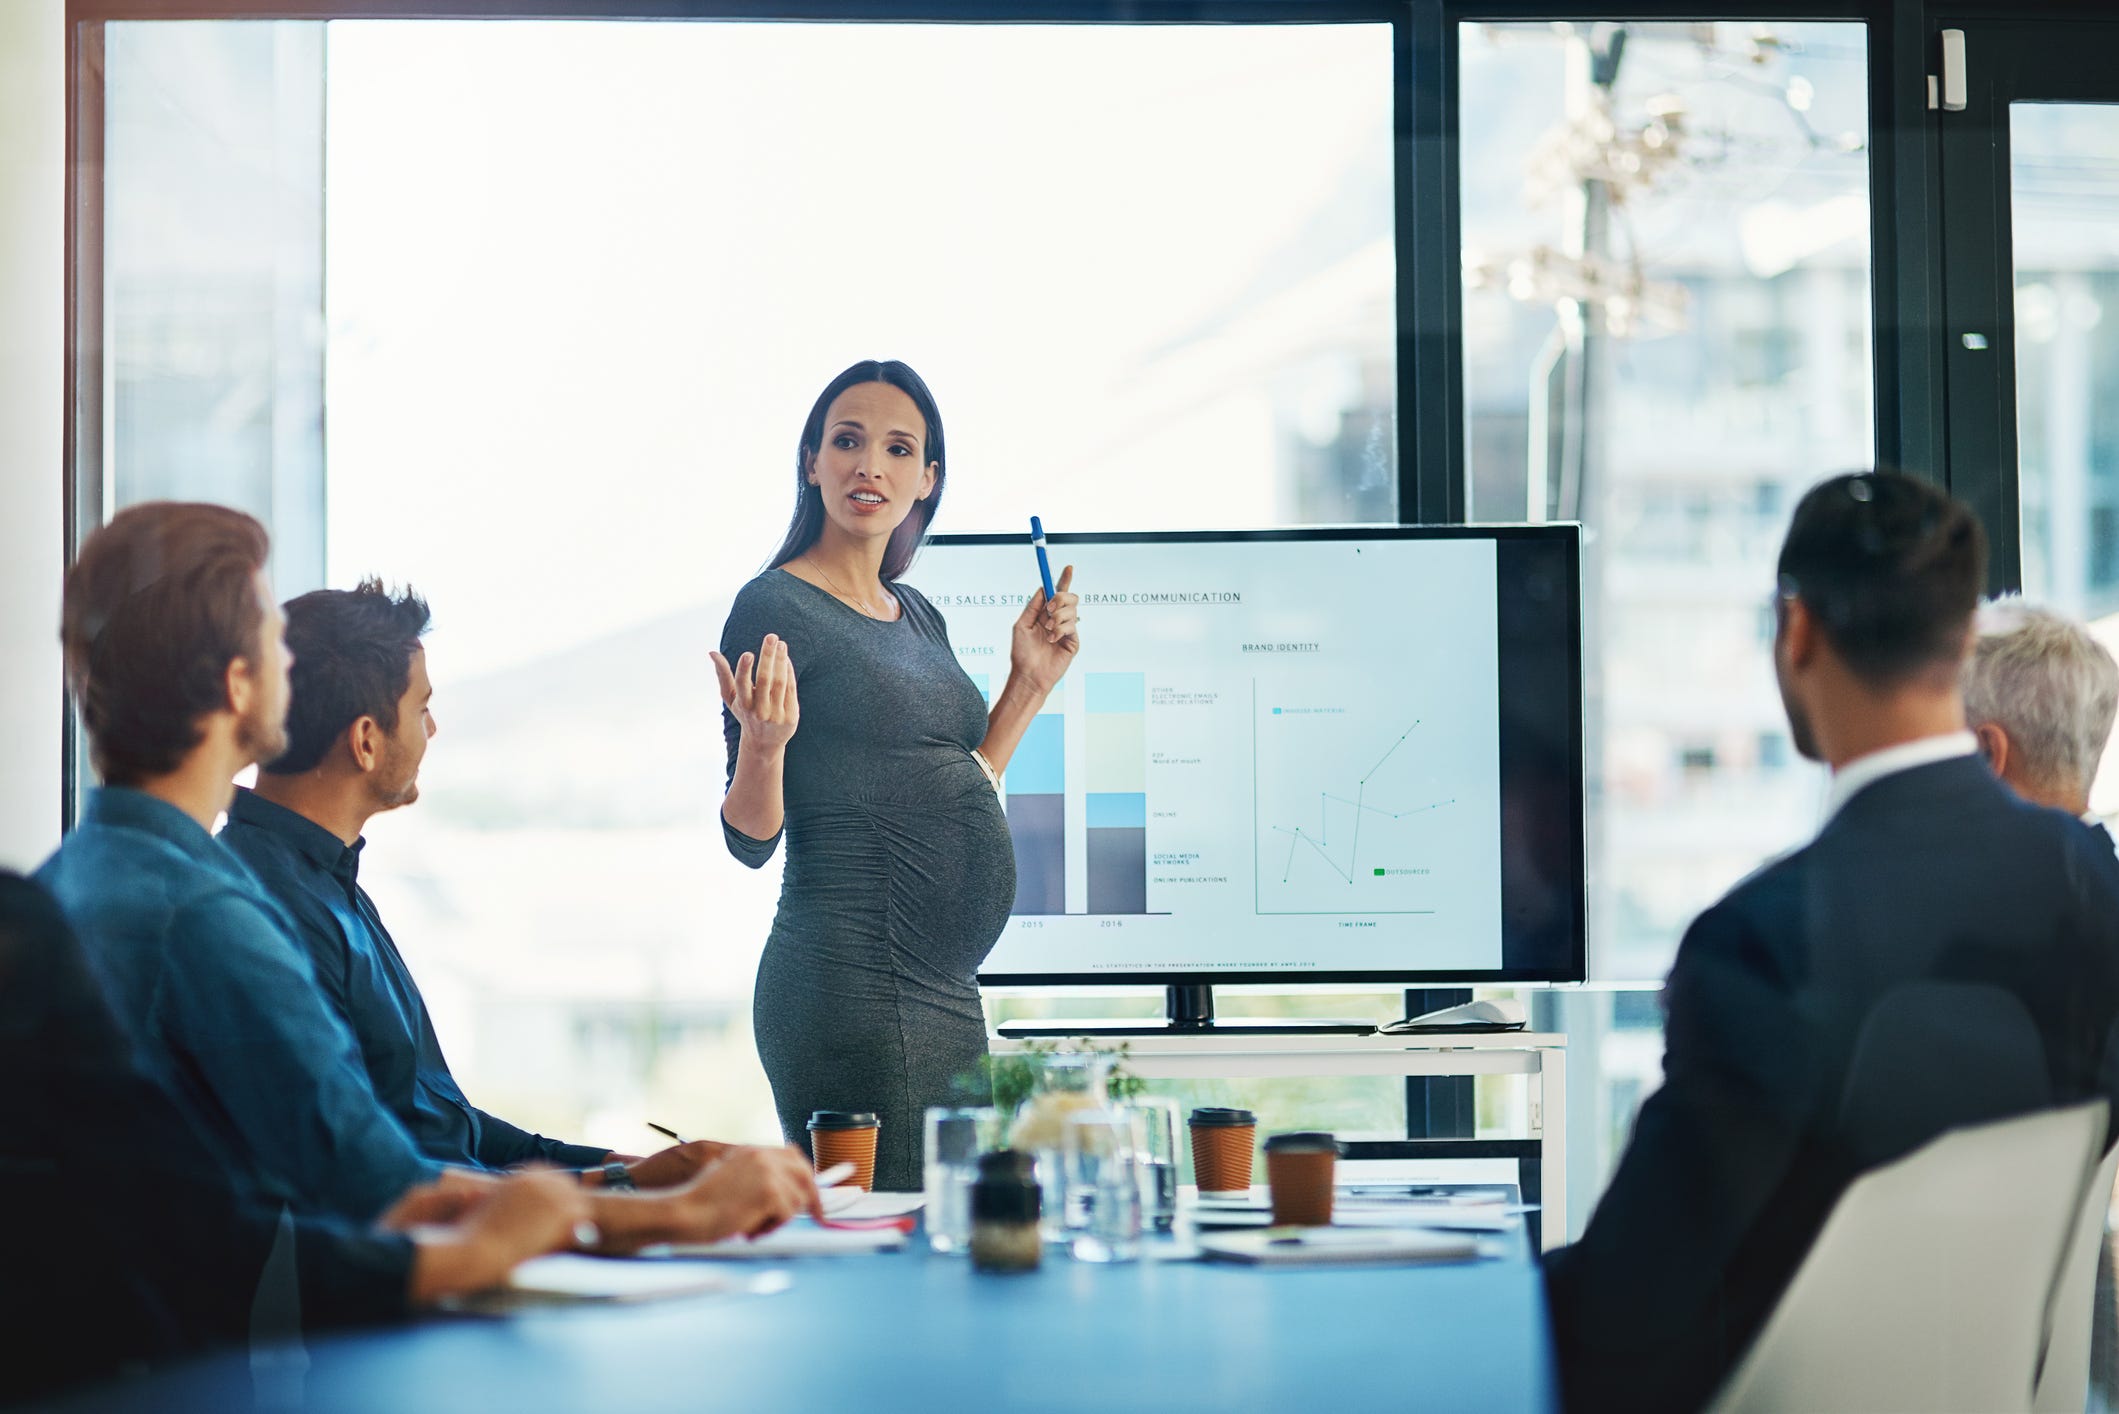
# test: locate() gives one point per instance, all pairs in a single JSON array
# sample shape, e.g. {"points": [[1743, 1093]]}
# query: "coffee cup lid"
{"points": [[844, 1119], [1219, 1117], [1306, 1141]]}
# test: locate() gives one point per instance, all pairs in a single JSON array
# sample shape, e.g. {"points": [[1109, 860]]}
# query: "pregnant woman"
{"points": [[899, 871]]}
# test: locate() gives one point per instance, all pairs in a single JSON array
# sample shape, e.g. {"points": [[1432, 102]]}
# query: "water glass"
{"points": [[956, 1136], [1102, 1157], [1156, 1130]]}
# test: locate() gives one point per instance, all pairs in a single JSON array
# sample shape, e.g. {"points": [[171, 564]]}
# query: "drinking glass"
{"points": [[1156, 1132], [1101, 1153], [956, 1136], [1067, 1083]]}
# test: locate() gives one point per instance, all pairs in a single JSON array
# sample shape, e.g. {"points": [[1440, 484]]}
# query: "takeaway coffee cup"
{"points": [[1299, 1168], [1221, 1151], [845, 1137]]}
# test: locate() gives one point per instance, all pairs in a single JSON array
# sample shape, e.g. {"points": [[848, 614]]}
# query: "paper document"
{"points": [[1487, 1218], [565, 1278], [800, 1238], [1321, 1246], [858, 1205]]}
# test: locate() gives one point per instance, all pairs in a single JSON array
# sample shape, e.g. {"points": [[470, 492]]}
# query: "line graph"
{"points": [[1348, 846]]}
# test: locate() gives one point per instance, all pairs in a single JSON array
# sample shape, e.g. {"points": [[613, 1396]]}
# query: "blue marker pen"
{"points": [[1044, 566]]}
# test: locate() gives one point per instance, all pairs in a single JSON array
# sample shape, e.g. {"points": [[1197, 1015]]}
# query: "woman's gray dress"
{"points": [[899, 875]]}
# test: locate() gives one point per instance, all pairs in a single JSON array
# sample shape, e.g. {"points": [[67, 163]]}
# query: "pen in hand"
{"points": [[663, 1129], [1044, 565]]}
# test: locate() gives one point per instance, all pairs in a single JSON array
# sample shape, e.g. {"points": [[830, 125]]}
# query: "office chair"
{"points": [[1937, 1282], [1929, 1287]]}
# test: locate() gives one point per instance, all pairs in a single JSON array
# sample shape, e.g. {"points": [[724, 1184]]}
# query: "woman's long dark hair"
{"points": [[808, 524]]}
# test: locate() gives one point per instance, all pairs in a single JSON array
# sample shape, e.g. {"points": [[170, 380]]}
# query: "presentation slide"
{"points": [[1271, 755]]}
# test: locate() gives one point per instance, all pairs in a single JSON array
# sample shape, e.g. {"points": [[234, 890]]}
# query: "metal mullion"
{"points": [[82, 458], [1430, 458], [1905, 255], [1973, 199]]}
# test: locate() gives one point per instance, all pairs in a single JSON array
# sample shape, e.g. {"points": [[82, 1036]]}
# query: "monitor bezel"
{"points": [[1567, 535]]}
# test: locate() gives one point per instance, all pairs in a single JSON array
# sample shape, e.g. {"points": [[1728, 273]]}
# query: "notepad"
{"points": [[566, 1278], [1491, 1218], [872, 1205], [800, 1238], [1327, 1246]]}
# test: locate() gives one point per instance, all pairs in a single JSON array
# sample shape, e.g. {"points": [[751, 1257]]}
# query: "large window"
{"points": [[2064, 185], [570, 288], [528, 315], [1667, 336]]}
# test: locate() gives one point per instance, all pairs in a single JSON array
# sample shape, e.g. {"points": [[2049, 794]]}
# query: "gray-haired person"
{"points": [[2040, 694]]}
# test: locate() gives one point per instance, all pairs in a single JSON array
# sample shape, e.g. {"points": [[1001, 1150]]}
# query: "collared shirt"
{"points": [[315, 877], [1863, 771], [130, 1235], [203, 970]]}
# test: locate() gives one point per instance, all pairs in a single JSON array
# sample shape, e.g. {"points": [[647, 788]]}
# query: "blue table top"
{"points": [[911, 1331]]}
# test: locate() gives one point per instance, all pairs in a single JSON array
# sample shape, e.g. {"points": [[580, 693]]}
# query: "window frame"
{"points": [[2008, 61], [1911, 355]]}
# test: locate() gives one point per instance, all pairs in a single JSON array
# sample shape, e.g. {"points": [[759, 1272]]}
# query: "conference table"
{"points": [[912, 1331]]}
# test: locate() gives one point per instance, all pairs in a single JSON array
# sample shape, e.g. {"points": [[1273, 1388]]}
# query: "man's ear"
{"points": [[1994, 745], [364, 743], [238, 685], [1799, 634]]}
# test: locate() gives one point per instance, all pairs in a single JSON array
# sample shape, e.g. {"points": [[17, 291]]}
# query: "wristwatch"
{"points": [[617, 1179]]}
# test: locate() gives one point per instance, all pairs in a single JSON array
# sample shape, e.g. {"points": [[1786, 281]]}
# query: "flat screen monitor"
{"points": [[1333, 755]]}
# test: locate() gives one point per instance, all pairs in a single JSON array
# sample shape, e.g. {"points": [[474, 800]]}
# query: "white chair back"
{"points": [[1928, 1288], [2064, 1373]]}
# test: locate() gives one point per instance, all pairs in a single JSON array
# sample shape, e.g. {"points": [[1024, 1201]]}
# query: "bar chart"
{"points": [[1104, 739], [1037, 816], [1117, 782]]}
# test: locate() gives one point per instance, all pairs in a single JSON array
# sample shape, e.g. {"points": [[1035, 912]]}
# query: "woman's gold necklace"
{"points": [[847, 599]]}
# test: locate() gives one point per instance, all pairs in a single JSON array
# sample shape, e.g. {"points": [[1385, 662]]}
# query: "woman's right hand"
{"points": [[760, 692]]}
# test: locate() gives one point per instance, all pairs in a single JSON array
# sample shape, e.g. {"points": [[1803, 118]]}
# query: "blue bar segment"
{"points": [[1039, 766], [1116, 810], [1118, 692]]}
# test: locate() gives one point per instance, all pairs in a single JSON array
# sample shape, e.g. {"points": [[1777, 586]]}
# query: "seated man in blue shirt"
{"points": [[357, 730], [174, 652], [133, 1241]]}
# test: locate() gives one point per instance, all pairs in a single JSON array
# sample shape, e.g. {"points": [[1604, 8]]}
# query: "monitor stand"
{"points": [[1190, 1013]]}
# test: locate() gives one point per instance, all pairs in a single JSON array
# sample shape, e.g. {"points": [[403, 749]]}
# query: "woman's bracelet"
{"points": [[993, 777]]}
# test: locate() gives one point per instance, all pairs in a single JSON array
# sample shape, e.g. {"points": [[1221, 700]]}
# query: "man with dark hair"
{"points": [[1926, 870], [357, 731], [173, 649], [198, 961]]}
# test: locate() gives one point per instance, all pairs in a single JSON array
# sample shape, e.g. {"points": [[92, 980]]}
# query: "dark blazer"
{"points": [[127, 1238], [1935, 873]]}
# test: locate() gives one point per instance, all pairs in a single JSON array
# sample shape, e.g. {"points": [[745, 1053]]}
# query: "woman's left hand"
{"points": [[1047, 635]]}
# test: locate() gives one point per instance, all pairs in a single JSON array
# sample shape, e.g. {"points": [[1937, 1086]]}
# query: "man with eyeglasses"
{"points": [[1925, 868]]}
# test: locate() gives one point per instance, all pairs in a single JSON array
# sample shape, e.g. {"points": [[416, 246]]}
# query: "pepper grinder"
{"points": [[1004, 1213]]}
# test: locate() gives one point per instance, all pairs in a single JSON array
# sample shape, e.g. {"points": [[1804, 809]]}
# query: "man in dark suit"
{"points": [[1926, 868]]}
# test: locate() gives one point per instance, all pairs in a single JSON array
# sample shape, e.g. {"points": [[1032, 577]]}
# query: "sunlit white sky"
{"points": [[585, 279]]}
